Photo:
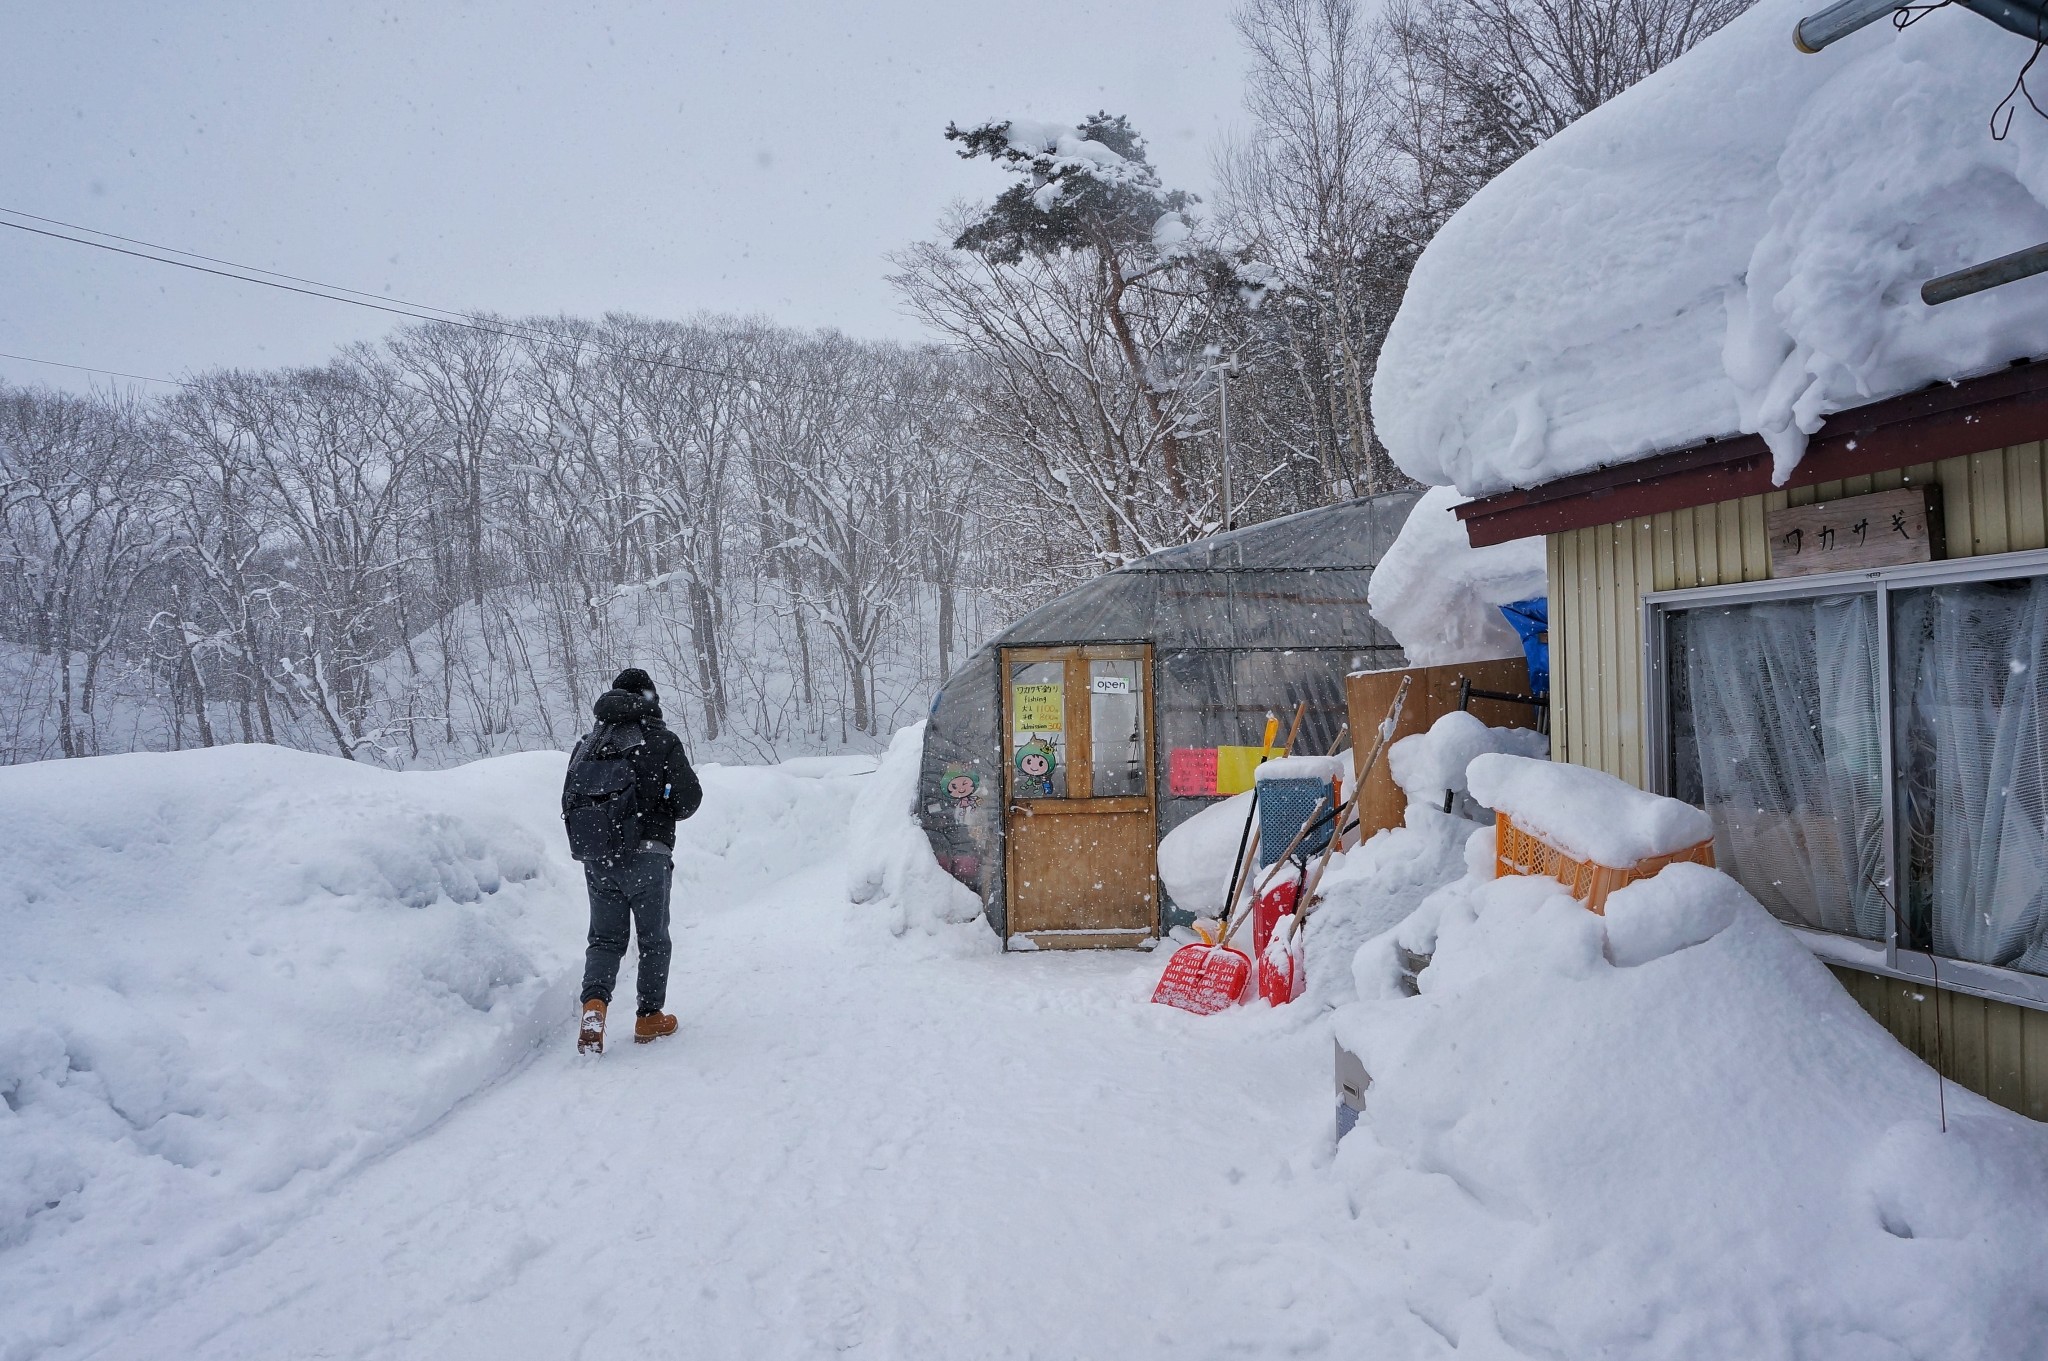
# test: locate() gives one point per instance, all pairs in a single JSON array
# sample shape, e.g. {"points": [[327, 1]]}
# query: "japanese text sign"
{"points": [[1883, 529], [1191, 772], [1038, 708]]}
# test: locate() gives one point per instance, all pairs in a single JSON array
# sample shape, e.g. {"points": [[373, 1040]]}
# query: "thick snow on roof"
{"points": [[1441, 597], [1734, 245]]}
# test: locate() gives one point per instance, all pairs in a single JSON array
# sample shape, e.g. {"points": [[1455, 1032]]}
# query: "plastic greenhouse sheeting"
{"points": [[1241, 624]]}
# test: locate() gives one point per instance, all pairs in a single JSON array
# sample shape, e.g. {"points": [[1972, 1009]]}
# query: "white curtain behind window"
{"points": [[1775, 732], [1969, 683]]}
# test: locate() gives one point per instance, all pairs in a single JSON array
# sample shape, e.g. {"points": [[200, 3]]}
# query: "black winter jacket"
{"points": [[669, 790]]}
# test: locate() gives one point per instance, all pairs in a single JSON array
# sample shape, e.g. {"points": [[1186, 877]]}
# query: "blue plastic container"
{"points": [[1284, 807]]}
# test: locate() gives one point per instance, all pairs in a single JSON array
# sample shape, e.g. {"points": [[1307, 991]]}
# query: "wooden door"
{"points": [[1081, 852]]}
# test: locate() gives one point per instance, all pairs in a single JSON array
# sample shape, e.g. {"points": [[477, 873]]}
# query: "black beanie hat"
{"points": [[635, 680]]}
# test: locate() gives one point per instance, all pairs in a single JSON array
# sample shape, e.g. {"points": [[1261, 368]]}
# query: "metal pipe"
{"points": [[2028, 18], [1838, 21], [2005, 269]]}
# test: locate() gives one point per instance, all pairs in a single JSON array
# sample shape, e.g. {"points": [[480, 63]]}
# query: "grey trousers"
{"points": [[634, 890]]}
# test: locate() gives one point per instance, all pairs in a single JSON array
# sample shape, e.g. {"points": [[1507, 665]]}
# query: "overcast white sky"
{"points": [[755, 156]]}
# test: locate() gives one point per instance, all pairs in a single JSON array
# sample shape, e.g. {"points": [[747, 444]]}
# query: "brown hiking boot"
{"points": [[590, 1039], [647, 1029]]}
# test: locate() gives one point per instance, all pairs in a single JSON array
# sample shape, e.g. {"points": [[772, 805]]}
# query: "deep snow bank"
{"points": [[1376, 885], [241, 971], [1440, 597], [231, 975], [1197, 858], [1670, 1133], [890, 866], [1735, 244]]}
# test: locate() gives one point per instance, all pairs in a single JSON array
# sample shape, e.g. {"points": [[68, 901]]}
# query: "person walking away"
{"points": [[629, 783]]}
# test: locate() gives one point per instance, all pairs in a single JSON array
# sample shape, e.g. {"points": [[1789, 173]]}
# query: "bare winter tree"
{"points": [[1310, 188], [1079, 297], [1486, 80], [1068, 434], [334, 460], [223, 616], [78, 516]]}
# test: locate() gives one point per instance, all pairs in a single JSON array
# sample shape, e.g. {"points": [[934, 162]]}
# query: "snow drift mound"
{"points": [[232, 975], [1197, 858], [1735, 244], [1374, 886], [1440, 597], [889, 861], [1670, 1133], [243, 970]]}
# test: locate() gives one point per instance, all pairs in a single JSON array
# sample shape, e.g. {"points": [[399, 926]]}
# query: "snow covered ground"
{"points": [[286, 1046]]}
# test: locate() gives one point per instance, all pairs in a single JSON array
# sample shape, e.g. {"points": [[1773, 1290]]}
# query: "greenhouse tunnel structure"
{"points": [[1061, 751]]}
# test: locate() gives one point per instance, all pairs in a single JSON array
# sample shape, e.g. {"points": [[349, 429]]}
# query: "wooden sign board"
{"points": [[1883, 529]]}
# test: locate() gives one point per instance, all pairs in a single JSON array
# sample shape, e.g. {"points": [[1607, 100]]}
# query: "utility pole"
{"points": [[1223, 368], [1223, 386]]}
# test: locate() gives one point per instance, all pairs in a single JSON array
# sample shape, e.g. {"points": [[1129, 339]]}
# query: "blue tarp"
{"points": [[1531, 619]]}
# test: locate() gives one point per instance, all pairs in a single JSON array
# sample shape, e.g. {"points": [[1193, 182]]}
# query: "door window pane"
{"points": [[1116, 723], [1969, 679], [1038, 737], [1774, 731]]}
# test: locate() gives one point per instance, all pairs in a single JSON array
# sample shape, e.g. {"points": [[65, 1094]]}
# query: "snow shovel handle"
{"points": [[1239, 865], [1343, 814]]}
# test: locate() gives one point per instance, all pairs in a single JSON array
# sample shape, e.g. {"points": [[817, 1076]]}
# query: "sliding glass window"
{"points": [[1774, 731], [1969, 677], [1872, 742]]}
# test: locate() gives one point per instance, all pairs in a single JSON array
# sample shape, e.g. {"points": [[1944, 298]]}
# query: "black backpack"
{"points": [[601, 796]]}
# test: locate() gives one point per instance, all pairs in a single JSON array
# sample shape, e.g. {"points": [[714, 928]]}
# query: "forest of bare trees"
{"points": [[440, 546], [444, 545]]}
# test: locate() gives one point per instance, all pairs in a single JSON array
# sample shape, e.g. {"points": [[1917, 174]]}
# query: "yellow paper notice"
{"points": [[1234, 767], [1038, 708]]}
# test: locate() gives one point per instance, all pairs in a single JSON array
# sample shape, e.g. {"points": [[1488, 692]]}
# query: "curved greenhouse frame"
{"points": [[1231, 628]]}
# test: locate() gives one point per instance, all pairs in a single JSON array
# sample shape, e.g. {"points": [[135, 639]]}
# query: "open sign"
{"points": [[1110, 685]]}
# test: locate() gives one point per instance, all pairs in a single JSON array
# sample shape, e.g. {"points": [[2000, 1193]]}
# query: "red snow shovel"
{"points": [[1203, 979], [1206, 978]]}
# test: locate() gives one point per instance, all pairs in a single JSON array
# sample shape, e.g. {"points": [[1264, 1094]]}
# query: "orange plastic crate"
{"points": [[1517, 850]]}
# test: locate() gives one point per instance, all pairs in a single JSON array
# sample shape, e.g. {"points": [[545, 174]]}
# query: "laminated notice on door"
{"points": [[1038, 708]]}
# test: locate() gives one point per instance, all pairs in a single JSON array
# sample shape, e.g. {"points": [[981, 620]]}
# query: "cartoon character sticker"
{"points": [[1036, 760], [963, 787]]}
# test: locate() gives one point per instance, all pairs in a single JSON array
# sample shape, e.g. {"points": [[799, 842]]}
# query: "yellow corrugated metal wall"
{"points": [[1993, 502]]}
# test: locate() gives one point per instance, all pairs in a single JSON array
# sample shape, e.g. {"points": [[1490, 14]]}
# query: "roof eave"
{"points": [[1967, 416]]}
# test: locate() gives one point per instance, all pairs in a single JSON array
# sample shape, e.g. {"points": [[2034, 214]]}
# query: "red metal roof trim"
{"points": [[2009, 406]]}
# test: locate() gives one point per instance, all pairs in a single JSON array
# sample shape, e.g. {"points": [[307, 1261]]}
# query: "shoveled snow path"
{"points": [[856, 1144]]}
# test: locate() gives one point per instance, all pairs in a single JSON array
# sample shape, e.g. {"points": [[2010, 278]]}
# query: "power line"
{"points": [[82, 368], [216, 260], [394, 306], [248, 278]]}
